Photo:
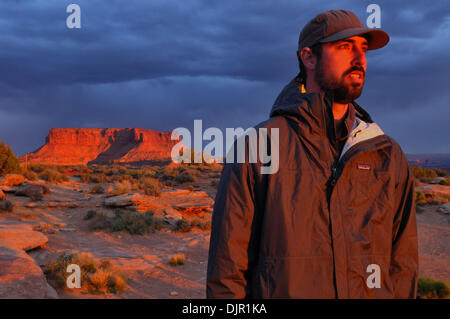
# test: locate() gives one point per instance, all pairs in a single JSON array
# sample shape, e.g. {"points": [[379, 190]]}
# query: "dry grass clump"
{"points": [[96, 276], [52, 176], [206, 225], [426, 174], [177, 259], [30, 175], [184, 226], [119, 188], [180, 174], [96, 189], [151, 186]]}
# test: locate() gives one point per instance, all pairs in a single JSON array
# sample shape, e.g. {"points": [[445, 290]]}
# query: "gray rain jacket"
{"points": [[325, 225]]}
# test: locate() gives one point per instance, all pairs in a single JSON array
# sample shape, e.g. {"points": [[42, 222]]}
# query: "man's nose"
{"points": [[359, 57]]}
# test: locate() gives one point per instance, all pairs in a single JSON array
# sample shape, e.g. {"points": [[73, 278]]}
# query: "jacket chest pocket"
{"points": [[366, 183]]}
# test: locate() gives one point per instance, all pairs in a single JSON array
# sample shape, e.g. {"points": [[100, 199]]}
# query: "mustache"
{"points": [[354, 68]]}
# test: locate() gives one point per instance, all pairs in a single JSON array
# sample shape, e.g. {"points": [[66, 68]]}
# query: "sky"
{"points": [[162, 64]]}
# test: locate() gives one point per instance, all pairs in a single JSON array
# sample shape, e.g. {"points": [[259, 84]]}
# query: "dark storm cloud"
{"points": [[162, 64]]}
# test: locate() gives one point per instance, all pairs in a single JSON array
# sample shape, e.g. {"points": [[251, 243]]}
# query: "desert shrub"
{"points": [[202, 225], [430, 288], [185, 177], [445, 182], [191, 188], [81, 169], [177, 260], [85, 178], [440, 172], [6, 206], [205, 225], [151, 186], [119, 188], [96, 189], [135, 173], [153, 222], [96, 178], [170, 173], [183, 225], [30, 175], [99, 222], [51, 175], [56, 270], [97, 277], [132, 222], [428, 174], [38, 167], [9, 163], [90, 214], [420, 198], [149, 172], [109, 172], [189, 161], [62, 169]]}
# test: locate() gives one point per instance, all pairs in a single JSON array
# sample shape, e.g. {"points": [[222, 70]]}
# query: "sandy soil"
{"points": [[145, 258]]}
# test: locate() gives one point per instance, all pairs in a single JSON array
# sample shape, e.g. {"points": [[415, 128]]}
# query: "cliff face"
{"points": [[72, 146]]}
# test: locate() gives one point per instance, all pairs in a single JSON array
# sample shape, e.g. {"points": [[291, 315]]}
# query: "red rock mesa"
{"points": [[73, 146]]}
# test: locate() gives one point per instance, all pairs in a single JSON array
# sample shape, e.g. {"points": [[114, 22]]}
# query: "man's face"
{"points": [[342, 68]]}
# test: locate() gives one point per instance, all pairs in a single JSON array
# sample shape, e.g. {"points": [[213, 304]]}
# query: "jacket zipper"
{"points": [[330, 187]]}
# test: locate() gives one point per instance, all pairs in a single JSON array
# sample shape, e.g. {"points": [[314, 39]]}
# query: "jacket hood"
{"points": [[315, 111]]}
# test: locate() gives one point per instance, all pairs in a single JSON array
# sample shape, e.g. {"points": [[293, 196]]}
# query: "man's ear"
{"points": [[308, 58]]}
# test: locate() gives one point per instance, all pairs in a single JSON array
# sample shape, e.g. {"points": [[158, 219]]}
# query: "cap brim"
{"points": [[376, 38]]}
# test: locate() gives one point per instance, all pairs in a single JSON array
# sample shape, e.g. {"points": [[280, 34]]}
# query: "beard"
{"points": [[343, 92]]}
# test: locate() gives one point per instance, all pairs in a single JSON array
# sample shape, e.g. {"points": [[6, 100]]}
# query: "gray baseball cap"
{"points": [[336, 25]]}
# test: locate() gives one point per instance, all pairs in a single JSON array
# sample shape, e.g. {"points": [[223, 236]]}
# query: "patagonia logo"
{"points": [[363, 166]]}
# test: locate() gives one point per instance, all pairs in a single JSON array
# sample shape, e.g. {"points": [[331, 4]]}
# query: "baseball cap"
{"points": [[336, 25]]}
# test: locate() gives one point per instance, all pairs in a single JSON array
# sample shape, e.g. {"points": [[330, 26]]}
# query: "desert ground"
{"points": [[36, 231]]}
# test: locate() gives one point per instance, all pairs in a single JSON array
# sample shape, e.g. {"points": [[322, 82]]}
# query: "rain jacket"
{"points": [[325, 225]]}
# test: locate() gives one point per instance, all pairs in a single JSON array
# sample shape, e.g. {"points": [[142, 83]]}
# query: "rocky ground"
{"points": [[38, 231]]}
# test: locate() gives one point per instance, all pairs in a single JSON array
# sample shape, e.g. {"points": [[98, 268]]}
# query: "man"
{"points": [[337, 220]]}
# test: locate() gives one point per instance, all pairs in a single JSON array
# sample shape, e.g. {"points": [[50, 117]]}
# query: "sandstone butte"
{"points": [[74, 146]]}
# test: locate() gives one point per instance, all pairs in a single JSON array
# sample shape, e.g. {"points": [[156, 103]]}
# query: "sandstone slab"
{"points": [[127, 200], [21, 237], [12, 180], [20, 277], [35, 192]]}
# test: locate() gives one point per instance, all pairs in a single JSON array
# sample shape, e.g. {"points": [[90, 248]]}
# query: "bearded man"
{"points": [[337, 220]]}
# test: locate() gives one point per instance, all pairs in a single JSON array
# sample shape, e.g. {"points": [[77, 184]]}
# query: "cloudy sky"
{"points": [[161, 64]]}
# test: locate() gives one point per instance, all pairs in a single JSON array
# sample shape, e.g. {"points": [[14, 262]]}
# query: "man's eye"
{"points": [[344, 46]]}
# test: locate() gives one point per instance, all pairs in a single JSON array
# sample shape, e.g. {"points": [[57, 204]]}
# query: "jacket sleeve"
{"points": [[230, 254], [404, 258]]}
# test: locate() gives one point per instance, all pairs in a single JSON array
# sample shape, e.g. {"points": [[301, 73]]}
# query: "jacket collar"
{"points": [[291, 101], [315, 111]]}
